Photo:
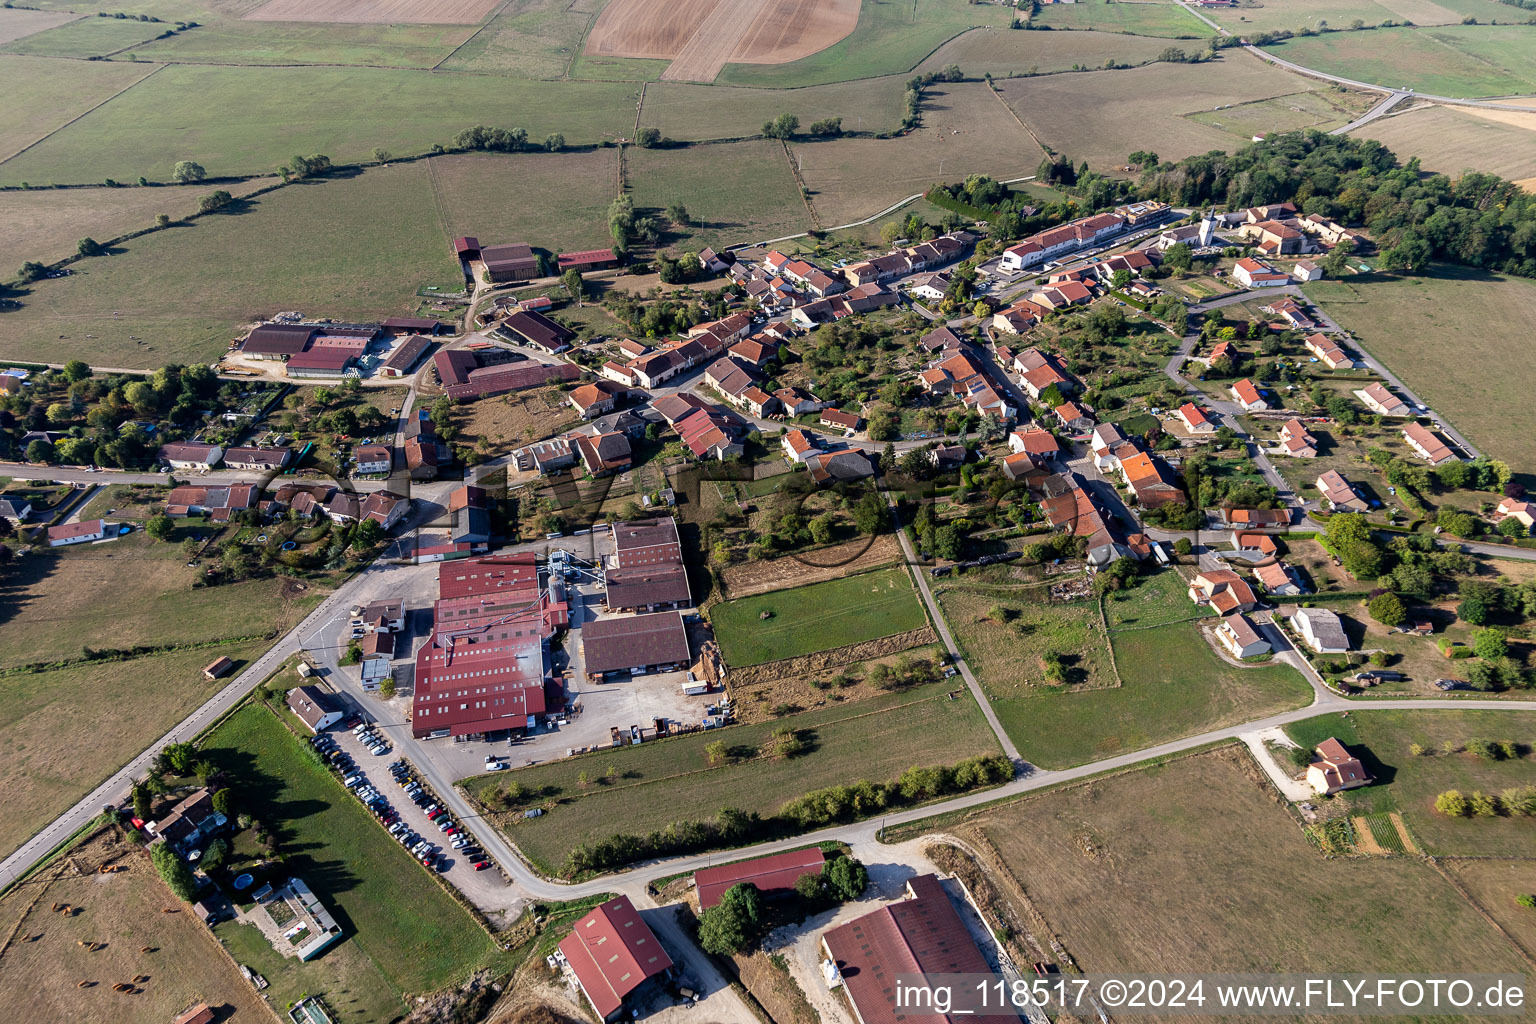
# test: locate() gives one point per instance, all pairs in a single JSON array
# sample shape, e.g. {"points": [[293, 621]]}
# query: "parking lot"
{"points": [[484, 888]]}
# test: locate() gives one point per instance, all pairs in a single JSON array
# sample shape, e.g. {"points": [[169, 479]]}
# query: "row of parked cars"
{"points": [[371, 738], [420, 795], [357, 782]]}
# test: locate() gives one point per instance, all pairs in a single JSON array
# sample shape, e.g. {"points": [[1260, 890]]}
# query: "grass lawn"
{"points": [[534, 38], [415, 937], [562, 197], [153, 302], [1455, 60], [1143, 19], [1186, 863], [1007, 654], [1454, 139], [266, 42], [817, 617], [742, 192], [1409, 322], [248, 120], [1409, 783], [1174, 685], [39, 978], [45, 225], [1005, 52], [877, 739], [67, 729], [36, 105], [1299, 14], [1323, 109], [889, 39], [88, 37]]}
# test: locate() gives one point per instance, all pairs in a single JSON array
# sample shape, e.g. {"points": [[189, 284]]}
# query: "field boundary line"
{"points": [[805, 192], [1044, 149], [640, 108], [483, 26], [437, 200], [137, 81], [1110, 644], [1476, 905]]}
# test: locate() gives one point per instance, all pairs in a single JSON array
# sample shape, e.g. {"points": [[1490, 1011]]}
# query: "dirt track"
{"points": [[376, 12], [702, 36]]}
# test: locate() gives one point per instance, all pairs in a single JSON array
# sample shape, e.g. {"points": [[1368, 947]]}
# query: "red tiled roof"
{"points": [[613, 952]]}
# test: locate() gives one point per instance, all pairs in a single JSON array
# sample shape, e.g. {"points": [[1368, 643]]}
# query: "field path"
{"points": [[55, 130], [716, 38]]}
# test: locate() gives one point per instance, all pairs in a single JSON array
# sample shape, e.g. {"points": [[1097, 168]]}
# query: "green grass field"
{"points": [[88, 37], [248, 120], [1299, 14], [161, 289], [1457, 60], [1409, 783], [738, 191], [692, 112], [562, 197], [533, 38], [1006, 654], [889, 39], [656, 783], [1006, 52], [817, 617], [269, 42], [1410, 322], [1174, 686], [35, 104], [1186, 863], [1169, 20], [1323, 110], [411, 933]]}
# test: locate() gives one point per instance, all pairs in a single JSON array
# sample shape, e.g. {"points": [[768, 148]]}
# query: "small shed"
{"points": [[215, 669]]}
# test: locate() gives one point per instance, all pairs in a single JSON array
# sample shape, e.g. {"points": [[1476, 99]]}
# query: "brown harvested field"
{"points": [[1455, 139], [1495, 884], [16, 23], [44, 225], [966, 130], [647, 28], [822, 564], [1103, 115], [377, 12], [512, 420], [42, 969], [1005, 52], [701, 36], [1168, 867]]}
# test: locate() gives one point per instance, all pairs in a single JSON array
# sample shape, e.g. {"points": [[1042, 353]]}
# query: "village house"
{"points": [[15, 510], [1427, 444], [377, 650], [1150, 480], [373, 459], [1277, 238], [545, 457], [1253, 274], [1255, 545], [1297, 441], [191, 455], [82, 532], [1379, 399], [1053, 242], [948, 457], [469, 517], [1338, 493], [1073, 507], [929, 287], [797, 402], [597, 398], [1018, 318], [255, 458], [839, 465], [753, 354], [836, 419], [1255, 518], [1237, 634], [798, 446], [1521, 511], [1060, 296], [1223, 590], [316, 708], [1291, 313], [711, 433], [1335, 769], [603, 454], [1040, 445], [1195, 420], [1321, 630], [1246, 394], [1329, 352], [1278, 579], [379, 616], [218, 502], [1075, 419], [1106, 438], [1307, 270], [189, 823], [1038, 371]]}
